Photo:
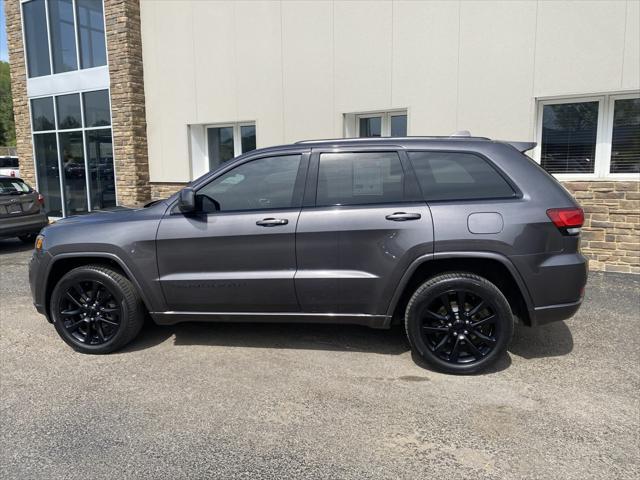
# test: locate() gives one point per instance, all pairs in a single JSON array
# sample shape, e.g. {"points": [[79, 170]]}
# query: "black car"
{"points": [[22, 212]]}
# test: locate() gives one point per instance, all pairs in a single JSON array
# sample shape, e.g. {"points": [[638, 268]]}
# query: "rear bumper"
{"points": [[22, 225], [554, 313]]}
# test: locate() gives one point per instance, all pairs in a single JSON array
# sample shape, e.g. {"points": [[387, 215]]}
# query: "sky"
{"points": [[4, 55]]}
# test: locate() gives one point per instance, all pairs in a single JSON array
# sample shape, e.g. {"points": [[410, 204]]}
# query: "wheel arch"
{"points": [[495, 267], [63, 263]]}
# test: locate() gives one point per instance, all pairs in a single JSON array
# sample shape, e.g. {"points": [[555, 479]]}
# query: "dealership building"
{"points": [[121, 101]]}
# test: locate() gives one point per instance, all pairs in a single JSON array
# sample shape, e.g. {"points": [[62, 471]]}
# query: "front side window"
{"points": [[359, 178], [262, 184], [35, 37], [457, 176]]}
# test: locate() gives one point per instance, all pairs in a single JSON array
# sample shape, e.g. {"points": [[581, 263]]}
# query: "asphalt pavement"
{"points": [[317, 401]]}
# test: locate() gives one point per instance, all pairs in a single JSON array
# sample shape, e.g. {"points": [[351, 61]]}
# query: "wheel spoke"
{"points": [[110, 310], [74, 326], [461, 295], [436, 316], [455, 351], [100, 332], [71, 297], [484, 321], [80, 291], [430, 329], [109, 322], [477, 308], [70, 313], [444, 298], [483, 337], [472, 348], [441, 343]]}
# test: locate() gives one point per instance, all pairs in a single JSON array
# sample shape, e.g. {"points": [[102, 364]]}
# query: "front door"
{"points": [[237, 252]]}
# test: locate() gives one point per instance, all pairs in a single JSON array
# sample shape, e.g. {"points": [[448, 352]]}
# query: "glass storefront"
{"points": [[73, 150]]}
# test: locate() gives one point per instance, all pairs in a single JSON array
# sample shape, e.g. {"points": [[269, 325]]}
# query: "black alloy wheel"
{"points": [[459, 322], [89, 312], [96, 309]]}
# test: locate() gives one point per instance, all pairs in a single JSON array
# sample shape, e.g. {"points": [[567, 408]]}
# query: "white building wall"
{"points": [[295, 67]]}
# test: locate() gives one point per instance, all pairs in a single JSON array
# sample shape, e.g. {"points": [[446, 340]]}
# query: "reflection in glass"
{"points": [[248, 136], [68, 111], [399, 126], [102, 187], [42, 114], [625, 141], [74, 179], [63, 36], [48, 173], [91, 33], [371, 127], [569, 137], [35, 37], [220, 141], [96, 108]]}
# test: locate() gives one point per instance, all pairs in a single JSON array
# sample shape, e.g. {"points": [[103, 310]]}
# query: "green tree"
{"points": [[7, 126]]}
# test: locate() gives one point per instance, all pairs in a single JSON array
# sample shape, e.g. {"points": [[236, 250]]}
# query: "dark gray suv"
{"points": [[455, 238]]}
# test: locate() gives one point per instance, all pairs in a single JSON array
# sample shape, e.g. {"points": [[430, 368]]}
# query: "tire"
{"points": [[28, 238], [96, 310], [453, 340]]}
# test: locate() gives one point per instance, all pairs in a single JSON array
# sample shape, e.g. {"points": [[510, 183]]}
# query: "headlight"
{"points": [[39, 243]]}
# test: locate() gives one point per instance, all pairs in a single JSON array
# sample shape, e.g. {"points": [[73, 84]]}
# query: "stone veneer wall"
{"points": [[124, 52], [611, 233], [19, 90], [160, 190]]}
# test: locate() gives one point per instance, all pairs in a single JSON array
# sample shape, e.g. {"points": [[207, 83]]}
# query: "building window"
{"points": [[225, 142], [590, 137], [382, 124], [73, 151], [63, 35]]}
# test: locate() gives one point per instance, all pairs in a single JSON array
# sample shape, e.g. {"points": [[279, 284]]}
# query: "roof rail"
{"points": [[387, 139]]}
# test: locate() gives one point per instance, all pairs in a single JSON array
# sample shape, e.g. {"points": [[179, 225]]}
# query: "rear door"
{"points": [[361, 225], [237, 253]]}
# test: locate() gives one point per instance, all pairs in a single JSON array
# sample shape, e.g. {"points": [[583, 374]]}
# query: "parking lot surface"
{"points": [[318, 401]]}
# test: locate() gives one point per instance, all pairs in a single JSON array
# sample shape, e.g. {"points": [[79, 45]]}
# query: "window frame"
{"points": [[385, 124], [237, 136], [76, 37], [604, 134], [57, 131]]}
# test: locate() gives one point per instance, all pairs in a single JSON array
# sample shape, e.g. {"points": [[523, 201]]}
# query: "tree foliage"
{"points": [[7, 126]]}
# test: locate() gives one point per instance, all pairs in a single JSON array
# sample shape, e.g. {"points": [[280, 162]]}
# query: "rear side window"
{"points": [[8, 162], [458, 176], [359, 178]]}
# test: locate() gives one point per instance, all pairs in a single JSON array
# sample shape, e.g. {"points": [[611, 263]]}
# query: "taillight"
{"points": [[41, 199], [568, 220], [13, 173]]}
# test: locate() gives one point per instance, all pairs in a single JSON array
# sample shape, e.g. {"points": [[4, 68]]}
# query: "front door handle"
{"points": [[272, 222], [403, 217]]}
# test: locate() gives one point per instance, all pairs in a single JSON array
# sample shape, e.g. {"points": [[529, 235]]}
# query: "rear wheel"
{"points": [[96, 309], [459, 322]]}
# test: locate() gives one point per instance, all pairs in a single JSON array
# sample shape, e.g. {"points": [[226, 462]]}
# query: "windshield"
{"points": [[13, 186]]}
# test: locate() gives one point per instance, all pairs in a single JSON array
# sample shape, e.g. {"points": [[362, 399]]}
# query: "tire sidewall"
{"points": [[439, 285], [88, 274]]}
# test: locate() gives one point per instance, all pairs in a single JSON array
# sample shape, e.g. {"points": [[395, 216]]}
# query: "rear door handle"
{"points": [[272, 222], [403, 217]]}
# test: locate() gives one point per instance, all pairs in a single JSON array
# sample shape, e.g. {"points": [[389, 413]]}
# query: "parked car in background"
{"points": [[454, 238], [21, 210], [9, 166]]}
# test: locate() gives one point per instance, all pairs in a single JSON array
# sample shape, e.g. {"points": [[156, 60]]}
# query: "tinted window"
{"points": [[42, 114], [68, 111], [46, 151], [457, 176], [35, 37], [371, 127], [96, 108], [63, 36], [10, 186], [359, 178], [91, 32], [102, 187], [9, 162], [569, 132], [263, 184], [625, 138], [399, 126]]}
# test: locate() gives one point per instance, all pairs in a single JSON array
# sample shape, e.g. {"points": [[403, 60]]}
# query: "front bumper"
{"points": [[38, 267]]}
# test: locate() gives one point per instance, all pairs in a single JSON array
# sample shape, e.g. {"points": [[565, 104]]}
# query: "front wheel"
{"points": [[96, 309], [459, 322]]}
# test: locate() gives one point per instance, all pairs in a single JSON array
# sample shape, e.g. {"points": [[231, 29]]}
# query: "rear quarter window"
{"points": [[12, 185], [458, 176]]}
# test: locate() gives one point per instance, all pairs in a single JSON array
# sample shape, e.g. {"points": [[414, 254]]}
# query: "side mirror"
{"points": [[187, 200]]}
